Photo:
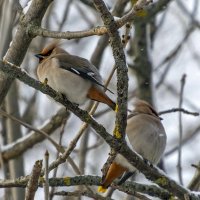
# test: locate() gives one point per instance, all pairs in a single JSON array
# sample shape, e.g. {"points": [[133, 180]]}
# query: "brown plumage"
{"points": [[71, 75], [145, 134]]}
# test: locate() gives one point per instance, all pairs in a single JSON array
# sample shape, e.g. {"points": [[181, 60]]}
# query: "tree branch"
{"points": [[179, 110], [120, 62], [32, 184], [179, 162], [130, 187], [99, 30]]}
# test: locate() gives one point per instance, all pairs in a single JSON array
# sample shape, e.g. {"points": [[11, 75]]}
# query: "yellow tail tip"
{"points": [[102, 189]]}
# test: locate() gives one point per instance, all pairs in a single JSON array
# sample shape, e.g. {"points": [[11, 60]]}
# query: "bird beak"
{"points": [[40, 56]]}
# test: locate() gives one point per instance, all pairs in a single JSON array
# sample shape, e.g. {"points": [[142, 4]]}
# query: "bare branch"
{"points": [[128, 186], [58, 153], [32, 184], [179, 164], [46, 182], [99, 30], [179, 110]]}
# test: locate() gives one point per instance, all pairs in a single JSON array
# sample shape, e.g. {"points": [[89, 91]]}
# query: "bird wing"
{"points": [[81, 67], [126, 176]]}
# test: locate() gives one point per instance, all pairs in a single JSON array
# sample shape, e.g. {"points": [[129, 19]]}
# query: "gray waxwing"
{"points": [[71, 75], [145, 135]]}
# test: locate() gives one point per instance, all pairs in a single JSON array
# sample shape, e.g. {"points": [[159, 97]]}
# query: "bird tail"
{"points": [[115, 170], [98, 95]]}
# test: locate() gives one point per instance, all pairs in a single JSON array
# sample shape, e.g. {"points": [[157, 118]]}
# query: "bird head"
{"points": [[141, 106], [50, 50]]}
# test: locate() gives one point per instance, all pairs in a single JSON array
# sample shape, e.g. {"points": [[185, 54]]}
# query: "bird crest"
{"points": [[49, 48]]}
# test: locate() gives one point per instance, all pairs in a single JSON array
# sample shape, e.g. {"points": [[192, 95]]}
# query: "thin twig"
{"points": [[98, 143], [179, 164], [46, 182], [65, 15], [99, 30], [179, 110], [55, 170], [67, 152]]}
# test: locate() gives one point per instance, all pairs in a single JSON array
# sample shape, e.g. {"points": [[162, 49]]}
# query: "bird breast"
{"points": [[73, 86]]}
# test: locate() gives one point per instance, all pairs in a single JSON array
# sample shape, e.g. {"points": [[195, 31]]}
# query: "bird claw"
{"points": [[59, 96], [45, 82], [148, 162]]}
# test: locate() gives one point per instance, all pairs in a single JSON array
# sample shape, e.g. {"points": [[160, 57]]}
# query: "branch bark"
{"points": [[120, 62], [32, 184]]}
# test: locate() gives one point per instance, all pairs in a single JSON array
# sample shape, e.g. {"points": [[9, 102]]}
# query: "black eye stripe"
{"points": [[48, 53]]}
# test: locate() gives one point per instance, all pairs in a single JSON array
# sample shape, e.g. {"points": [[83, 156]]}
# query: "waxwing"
{"points": [[145, 135], [71, 75]]}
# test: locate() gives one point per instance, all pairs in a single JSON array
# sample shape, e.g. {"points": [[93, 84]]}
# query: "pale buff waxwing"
{"points": [[71, 75], [145, 135]]}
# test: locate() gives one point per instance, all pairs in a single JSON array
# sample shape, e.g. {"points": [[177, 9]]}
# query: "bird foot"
{"points": [[45, 81], [59, 96], [148, 162]]}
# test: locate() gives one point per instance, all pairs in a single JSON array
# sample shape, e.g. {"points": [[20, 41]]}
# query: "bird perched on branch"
{"points": [[146, 135], [71, 75]]}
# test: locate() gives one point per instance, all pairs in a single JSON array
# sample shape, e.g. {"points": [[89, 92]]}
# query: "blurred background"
{"points": [[163, 47]]}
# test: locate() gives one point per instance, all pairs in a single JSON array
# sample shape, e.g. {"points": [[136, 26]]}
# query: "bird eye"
{"points": [[49, 53]]}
